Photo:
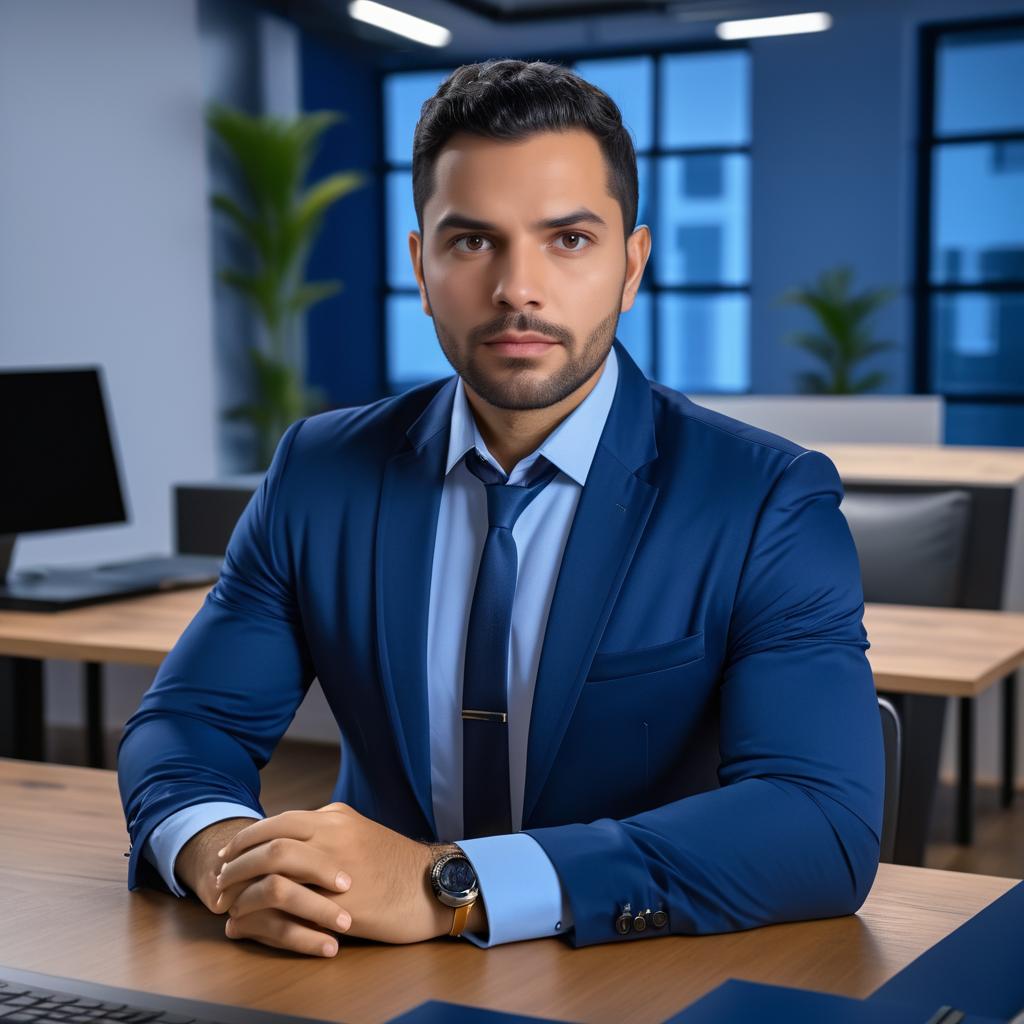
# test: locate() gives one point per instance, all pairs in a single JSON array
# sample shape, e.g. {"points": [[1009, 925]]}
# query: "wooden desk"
{"points": [[67, 910], [924, 651], [993, 569]]}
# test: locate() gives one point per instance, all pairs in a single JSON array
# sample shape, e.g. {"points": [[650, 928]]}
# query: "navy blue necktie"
{"points": [[486, 798]]}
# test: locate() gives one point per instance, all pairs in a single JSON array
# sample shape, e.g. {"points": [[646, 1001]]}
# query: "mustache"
{"points": [[520, 325]]}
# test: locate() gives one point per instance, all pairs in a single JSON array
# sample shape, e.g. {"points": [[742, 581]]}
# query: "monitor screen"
{"points": [[57, 464]]}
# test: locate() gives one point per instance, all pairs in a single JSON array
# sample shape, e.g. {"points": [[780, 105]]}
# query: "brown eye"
{"points": [[579, 238], [465, 238]]}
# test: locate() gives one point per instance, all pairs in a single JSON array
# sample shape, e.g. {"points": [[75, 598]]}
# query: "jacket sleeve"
{"points": [[793, 831], [227, 691]]}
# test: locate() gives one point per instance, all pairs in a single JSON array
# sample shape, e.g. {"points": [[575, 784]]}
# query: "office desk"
{"points": [[66, 909], [923, 651], [993, 570]]}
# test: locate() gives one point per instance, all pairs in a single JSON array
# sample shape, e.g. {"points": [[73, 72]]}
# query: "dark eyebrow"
{"points": [[582, 215]]}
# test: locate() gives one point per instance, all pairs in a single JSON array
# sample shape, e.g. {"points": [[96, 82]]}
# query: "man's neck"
{"points": [[511, 434]]}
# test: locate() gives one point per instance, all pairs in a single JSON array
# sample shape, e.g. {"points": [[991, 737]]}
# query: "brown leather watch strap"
{"points": [[460, 919]]}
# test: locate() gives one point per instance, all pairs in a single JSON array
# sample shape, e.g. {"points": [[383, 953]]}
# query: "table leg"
{"points": [[965, 781], [1009, 739], [21, 708], [94, 714]]}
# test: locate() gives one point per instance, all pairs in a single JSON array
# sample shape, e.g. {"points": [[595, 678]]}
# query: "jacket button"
{"points": [[659, 919], [623, 923], [639, 923]]}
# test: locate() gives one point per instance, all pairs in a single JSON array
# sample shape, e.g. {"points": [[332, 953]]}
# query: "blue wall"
{"points": [[344, 333]]}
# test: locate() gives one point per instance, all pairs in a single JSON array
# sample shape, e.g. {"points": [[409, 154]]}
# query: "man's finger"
{"points": [[273, 928], [283, 856], [275, 892], [290, 824]]}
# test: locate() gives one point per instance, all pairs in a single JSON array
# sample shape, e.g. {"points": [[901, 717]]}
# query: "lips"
{"points": [[521, 344]]}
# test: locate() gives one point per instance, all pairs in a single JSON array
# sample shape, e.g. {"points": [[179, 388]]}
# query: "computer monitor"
{"points": [[58, 468]]}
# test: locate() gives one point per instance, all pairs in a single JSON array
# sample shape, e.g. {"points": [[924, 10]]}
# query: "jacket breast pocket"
{"points": [[609, 665]]}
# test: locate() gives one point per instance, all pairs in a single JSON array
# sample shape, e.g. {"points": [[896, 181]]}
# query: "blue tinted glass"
{"points": [[705, 99], [702, 232], [980, 81], [978, 213], [401, 216], [630, 83], [985, 423], [977, 343], [634, 331], [404, 94], [704, 342], [414, 354]]}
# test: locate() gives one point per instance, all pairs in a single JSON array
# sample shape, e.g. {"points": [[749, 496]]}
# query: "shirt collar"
{"points": [[570, 446]]}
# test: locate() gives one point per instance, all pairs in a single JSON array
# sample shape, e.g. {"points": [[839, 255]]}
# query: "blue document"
{"points": [[743, 1001], [979, 968], [438, 1012]]}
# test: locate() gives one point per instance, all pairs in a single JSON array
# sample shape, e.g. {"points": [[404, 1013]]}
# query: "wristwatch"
{"points": [[454, 883]]}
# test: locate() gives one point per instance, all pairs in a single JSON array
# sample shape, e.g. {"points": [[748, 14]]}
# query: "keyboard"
{"points": [[28, 997], [55, 588]]}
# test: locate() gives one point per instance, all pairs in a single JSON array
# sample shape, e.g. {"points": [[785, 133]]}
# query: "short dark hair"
{"points": [[512, 99]]}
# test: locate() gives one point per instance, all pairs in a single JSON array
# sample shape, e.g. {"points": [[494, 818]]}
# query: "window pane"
{"points": [[401, 216], [985, 423], [404, 94], [701, 235], [979, 343], [634, 331], [980, 81], [705, 99], [703, 342], [630, 82], [978, 213], [414, 354]]}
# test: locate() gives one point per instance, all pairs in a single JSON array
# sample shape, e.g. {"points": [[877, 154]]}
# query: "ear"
{"points": [[638, 249], [416, 255]]}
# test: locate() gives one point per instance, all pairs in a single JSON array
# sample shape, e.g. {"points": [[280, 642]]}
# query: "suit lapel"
{"points": [[610, 518], [406, 526]]}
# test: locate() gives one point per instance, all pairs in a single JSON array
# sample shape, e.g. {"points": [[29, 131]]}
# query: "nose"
{"points": [[520, 281]]}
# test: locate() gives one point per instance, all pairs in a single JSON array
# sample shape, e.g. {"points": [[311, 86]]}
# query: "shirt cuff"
{"points": [[166, 840], [519, 888]]}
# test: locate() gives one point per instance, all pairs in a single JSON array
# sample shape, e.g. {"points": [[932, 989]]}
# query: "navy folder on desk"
{"points": [[979, 968], [772, 1004]]}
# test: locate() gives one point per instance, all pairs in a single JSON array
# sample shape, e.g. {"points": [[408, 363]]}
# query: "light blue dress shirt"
{"points": [[518, 884]]}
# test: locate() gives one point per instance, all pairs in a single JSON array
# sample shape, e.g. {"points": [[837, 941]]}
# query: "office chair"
{"points": [[892, 741], [912, 548]]}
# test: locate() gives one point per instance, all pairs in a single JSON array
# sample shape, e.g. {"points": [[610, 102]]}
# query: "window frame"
{"points": [[929, 141], [648, 285]]}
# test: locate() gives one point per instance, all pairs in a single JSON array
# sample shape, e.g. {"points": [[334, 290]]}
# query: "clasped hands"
{"points": [[281, 885]]}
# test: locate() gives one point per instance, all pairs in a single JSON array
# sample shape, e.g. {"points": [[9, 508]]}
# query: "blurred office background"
{"points": [[892, 143]]}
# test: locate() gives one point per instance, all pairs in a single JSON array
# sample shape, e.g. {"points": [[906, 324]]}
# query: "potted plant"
{"points": [[844, 340], [279, 217]]}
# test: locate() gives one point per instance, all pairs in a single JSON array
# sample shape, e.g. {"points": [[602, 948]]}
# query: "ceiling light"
{"points": [[785, 25], [399, 22]]}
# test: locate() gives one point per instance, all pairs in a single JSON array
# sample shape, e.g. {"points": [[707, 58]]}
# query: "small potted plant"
{"points": [[279, 217], [844, 340]]}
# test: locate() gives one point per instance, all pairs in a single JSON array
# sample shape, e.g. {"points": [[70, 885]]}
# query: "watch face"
{"points": [[457, 875]]}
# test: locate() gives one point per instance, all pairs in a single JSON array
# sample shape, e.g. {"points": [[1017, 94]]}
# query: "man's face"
{"points": [[492, 261]]}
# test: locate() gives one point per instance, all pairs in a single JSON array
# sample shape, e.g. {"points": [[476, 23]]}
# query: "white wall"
{"points": [[105, 256]]}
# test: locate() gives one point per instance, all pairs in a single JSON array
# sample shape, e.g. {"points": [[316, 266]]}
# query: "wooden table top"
{"points": [[947, 464], [66, 909], [946, 651], [956, 652]]}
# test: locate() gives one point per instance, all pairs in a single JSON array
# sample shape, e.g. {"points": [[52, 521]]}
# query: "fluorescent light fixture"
{"points": [[784, 25], [399, 22]]}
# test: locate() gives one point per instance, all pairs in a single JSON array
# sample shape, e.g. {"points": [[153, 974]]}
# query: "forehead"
{"points": [[556, 170]]}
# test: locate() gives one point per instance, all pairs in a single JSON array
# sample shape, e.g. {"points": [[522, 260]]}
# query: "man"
{"points": [[596, 653]]}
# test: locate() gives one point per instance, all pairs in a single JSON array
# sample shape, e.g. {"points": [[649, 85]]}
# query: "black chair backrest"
{"points": [[892, 741], [910, 545]]}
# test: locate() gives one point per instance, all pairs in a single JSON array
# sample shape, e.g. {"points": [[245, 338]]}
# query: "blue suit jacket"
{"points": [[705, 737]]}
